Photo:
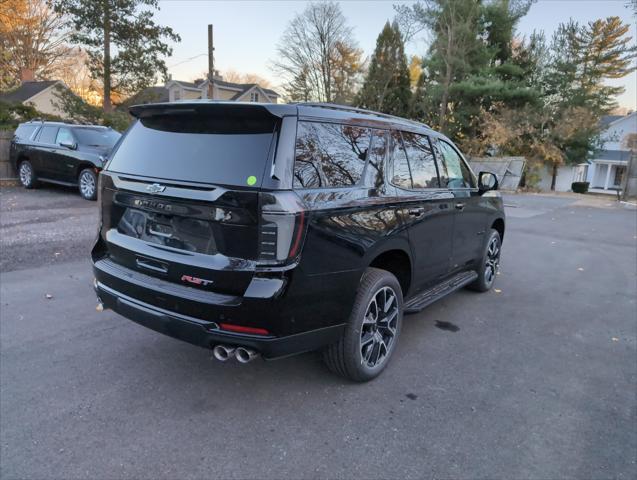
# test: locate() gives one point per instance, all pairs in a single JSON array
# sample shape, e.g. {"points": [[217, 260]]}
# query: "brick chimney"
{"points": [[26, 75]]}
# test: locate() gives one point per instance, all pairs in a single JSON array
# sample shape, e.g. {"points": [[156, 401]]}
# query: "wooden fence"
{"points": [[7, 172]]}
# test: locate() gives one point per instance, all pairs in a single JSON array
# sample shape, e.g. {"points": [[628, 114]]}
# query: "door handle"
{"points": [[416, 212], [460, 206]]}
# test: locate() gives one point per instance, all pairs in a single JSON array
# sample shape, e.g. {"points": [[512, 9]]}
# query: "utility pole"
{"points": [[211, 64]]}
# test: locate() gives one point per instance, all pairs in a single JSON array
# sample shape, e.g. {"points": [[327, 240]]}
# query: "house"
{"points": [[40, 94], [176, 90], [607, 168]]}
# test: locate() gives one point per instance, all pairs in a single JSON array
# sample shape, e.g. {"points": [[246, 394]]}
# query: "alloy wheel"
{"points": [[493, 260], [87, 185], [378, 332], [26, 173]]}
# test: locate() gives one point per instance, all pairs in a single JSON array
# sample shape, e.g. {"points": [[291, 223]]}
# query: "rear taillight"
{"points": [[282, 227]]}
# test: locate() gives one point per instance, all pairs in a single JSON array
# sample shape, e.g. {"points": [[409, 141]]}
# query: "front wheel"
{"points": [[489, 264], [373, 329], [88, 184]]}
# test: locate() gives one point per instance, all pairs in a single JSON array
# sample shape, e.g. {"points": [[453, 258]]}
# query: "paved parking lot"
{"points": [[535, 379]]}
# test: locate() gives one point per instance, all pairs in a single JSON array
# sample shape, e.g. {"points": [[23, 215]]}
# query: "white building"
{"points": [[607, 169], [40, 94]]}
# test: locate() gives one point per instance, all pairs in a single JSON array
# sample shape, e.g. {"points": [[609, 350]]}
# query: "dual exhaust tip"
{"points": [[242, 354]]}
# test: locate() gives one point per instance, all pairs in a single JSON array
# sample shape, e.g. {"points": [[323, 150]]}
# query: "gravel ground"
{"points": [[534, 380]]}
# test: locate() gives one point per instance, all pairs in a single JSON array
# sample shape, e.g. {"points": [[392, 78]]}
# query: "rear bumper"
{"points": [[206, 333]]}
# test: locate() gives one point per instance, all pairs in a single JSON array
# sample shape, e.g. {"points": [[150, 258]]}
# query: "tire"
{"points": [[369, 338], [87, 184], [489, 263], [26, 174]]}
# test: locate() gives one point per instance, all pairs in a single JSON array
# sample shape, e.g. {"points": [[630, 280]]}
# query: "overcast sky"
{"points": [[246, 32]]}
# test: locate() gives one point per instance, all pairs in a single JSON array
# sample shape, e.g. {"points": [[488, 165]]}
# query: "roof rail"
{"points": [[347, 108]]}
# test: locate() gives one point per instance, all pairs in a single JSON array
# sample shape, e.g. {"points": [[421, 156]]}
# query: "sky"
{"points": [[246, 32]]}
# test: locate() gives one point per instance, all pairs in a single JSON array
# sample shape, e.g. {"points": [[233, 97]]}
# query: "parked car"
{"points": [[61, 153], [272, 230]]}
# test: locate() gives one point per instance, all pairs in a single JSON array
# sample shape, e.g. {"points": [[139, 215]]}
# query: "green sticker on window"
{"points": [[252, 180]]}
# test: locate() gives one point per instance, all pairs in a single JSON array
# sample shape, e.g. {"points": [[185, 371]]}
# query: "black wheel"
{"points": [[489, 264], [88, 184], [27, 174], [373, 329]]}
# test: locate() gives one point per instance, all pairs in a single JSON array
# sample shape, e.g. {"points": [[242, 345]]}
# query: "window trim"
{"points": [[466, 164], [358, 183]]}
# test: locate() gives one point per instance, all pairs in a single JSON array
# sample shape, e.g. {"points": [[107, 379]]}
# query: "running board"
{"points": [[423, 299]]}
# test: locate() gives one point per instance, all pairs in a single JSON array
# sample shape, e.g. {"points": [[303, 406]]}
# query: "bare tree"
{"points": [[237, 77], [32, 37], [314, 43]]}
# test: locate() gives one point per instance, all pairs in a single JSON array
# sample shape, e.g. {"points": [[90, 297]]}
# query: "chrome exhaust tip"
{"points": [[245, 355], [222, 352]]}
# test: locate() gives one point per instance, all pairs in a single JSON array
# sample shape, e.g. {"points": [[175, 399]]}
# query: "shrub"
{"points": [[580, 187]]}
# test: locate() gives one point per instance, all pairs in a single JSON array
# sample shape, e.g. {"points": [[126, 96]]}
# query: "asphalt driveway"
{"points": [[535, 379]]}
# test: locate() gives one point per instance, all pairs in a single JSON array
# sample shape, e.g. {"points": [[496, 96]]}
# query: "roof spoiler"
{"points": [[203, 107]]}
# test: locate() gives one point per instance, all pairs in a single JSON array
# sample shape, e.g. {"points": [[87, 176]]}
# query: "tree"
{"points": [[314, 43], [127, 28], [387, 84], [236, 77], [32, 37], [415, 70]]}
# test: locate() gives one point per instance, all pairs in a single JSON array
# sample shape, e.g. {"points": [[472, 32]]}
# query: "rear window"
{"points": [[97, 137], [24, 132], [329, 154], [198, 146]]}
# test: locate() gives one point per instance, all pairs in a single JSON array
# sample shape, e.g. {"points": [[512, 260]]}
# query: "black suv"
{"points": [[278, 229], [61, 153]]}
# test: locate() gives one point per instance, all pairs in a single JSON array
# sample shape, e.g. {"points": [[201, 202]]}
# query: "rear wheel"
{"points": [[88, 184], [372, 332], [489, 264], [26, 174]]}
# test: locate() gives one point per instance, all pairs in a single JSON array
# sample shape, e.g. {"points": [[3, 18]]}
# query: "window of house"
{"points": [[64, 135], [177, 94], [254, 96], [421, 161], [48, 134], [401, 174], [329, 154], [453, 171]]}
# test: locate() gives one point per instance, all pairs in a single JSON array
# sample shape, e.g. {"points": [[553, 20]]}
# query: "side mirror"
{"points": [[487, 181], [70, 145]]}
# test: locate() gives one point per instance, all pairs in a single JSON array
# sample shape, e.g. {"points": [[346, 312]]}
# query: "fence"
{"points": [[7, 172]]}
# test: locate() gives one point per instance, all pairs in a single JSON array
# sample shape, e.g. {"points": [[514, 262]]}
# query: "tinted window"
{"points": [[24, 132], [454, 173], [97, 137], [225, 147], [48, 134], [64, 135], [421, 161], [401, 176], [329, 155], [375, 172]]}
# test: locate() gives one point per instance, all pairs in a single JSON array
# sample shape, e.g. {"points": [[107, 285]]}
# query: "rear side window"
{"points": [[48, 134], [375, 172], [329, 154], [421, 161], [226, 146], [401, 175], [454, 173], [24, 132]]}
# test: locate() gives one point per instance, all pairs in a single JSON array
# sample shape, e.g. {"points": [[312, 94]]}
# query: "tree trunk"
{"points": [[554, 177], [107, 58]]}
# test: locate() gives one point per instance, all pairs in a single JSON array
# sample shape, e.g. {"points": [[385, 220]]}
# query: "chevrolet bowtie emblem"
{"points": [[155, 188]]}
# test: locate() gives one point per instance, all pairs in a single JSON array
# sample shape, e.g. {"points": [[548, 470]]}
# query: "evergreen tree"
{"points": [[104, 27], [387, 85]]}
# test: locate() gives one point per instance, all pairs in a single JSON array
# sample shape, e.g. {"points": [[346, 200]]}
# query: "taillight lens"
{"points": [[282, 227]]}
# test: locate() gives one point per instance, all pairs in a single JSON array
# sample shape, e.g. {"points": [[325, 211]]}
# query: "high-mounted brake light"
{"points": [[282, 227]]}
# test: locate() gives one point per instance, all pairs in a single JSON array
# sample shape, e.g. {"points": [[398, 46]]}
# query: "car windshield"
{"points": [[97, 137]]}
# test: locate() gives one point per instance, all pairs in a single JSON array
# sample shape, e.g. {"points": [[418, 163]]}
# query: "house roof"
{"points": [[608, 119], [243, 87], [27, 90], [616, 155], [147, 95]]}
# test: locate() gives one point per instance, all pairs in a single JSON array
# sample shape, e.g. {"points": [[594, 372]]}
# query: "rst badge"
{"points": [[155, 188], [195, 280]]}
